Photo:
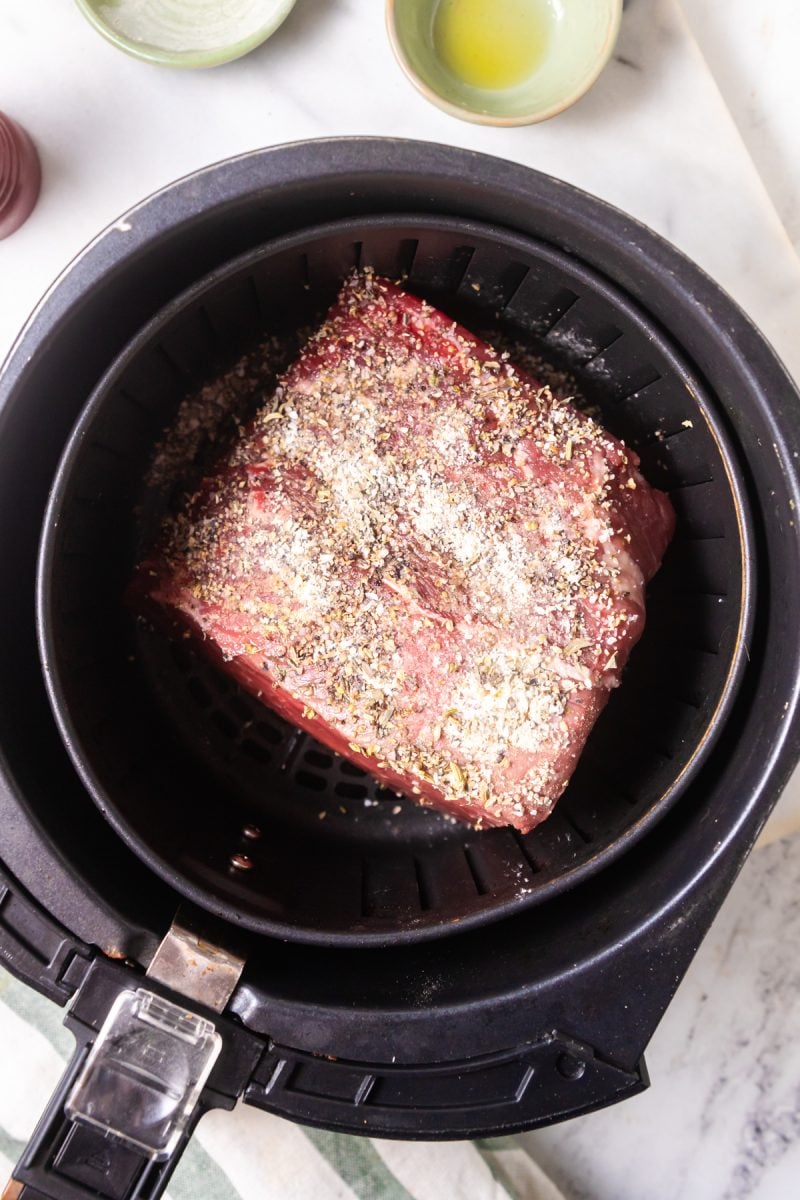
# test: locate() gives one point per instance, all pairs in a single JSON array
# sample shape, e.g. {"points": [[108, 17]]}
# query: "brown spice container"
{"points": [[20, 176]]}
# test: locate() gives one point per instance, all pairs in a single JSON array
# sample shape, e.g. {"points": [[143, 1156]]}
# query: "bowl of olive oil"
{"points": [[503, 62]]}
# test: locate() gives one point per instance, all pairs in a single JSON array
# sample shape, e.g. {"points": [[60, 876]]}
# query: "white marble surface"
{"points": [[721, 1120], [706, 157], [752, 52], [653, 136]]}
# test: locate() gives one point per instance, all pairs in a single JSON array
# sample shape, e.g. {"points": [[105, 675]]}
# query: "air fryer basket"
{"points": [[182, 761]]}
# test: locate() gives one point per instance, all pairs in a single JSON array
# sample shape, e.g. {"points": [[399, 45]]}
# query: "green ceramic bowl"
{"points": [[581, 37], [186, 33]]}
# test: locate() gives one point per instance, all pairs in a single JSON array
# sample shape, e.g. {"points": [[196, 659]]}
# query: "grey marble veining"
{"points": [[721, 1120]]}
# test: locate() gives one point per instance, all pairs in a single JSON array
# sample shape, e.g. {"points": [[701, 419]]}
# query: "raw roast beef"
{"points": [[422, 557]]}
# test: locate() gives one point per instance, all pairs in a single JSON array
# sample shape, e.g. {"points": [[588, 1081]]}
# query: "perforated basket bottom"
{"points": [[187, 765]]}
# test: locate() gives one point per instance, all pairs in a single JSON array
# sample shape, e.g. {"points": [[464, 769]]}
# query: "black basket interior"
{"points": [[188, 767]]}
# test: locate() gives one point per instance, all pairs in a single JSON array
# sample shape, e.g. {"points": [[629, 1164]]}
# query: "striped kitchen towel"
{"points": [[250, 1155]]}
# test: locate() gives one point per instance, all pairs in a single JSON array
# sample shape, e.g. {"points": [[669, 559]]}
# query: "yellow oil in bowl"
{"points": [[492, 44]]}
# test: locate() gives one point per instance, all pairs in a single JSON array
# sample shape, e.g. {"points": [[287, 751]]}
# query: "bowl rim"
{"points": [[615, 8], [185, 59]]}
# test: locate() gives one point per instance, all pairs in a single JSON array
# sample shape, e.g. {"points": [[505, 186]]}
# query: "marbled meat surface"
{"points": [[422, 557]]}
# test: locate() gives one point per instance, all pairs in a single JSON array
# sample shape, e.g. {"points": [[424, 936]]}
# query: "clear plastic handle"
{"points": [[145, 1073], [126, 1106]]}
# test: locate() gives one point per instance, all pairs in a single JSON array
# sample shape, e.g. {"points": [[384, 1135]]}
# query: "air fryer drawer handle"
{"points": [[65, 1160], [125, 1108]]}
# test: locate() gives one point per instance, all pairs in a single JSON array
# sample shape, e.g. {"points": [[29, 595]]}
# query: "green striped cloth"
{"points": [[250, 1155]]}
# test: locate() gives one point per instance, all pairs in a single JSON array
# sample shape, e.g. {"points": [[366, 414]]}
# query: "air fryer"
{"points": [[382, 972]]}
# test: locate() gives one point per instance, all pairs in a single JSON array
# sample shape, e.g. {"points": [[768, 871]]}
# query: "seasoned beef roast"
{"points": [[423, 557]]}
